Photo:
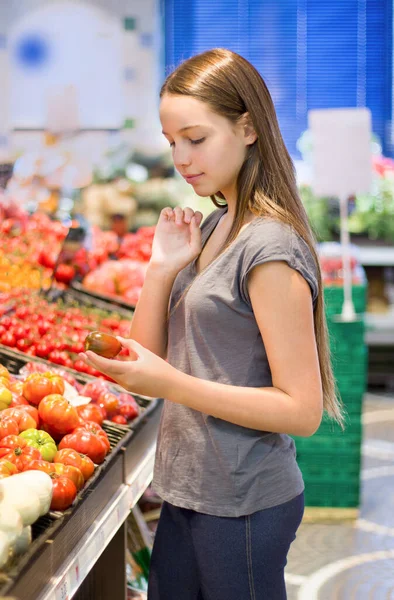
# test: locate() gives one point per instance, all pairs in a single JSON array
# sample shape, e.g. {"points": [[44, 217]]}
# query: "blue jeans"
{"points": [[200, 557]]}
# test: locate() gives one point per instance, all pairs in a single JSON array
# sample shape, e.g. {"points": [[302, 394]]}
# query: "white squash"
{"points": [[4, 548], [23, 499], [22, 543], [41, 484], [10, 521], [30, 485]]}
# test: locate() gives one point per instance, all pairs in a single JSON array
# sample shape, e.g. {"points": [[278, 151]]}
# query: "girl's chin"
{"points": [[204, 191]]}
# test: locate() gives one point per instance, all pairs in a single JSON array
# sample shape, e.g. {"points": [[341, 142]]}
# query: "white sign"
{"points": [[341, 151]]}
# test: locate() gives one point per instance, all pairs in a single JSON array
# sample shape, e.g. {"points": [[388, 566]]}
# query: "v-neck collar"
{"points": [[207, 234]]}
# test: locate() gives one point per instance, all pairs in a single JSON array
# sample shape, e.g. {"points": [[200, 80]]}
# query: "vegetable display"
{"points": [[51, 439]]}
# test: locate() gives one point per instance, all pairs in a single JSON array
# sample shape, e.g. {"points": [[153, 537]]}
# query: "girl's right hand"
{"points": [[177, 239]]}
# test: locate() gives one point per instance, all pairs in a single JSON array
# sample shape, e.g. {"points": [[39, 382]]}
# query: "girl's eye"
{"points": [[200, 141]]}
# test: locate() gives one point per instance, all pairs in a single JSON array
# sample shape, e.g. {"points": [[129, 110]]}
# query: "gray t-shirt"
{"points": [[204, 463]]}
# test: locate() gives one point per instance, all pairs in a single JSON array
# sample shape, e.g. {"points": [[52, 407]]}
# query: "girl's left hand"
{"points": [[144, 373]]}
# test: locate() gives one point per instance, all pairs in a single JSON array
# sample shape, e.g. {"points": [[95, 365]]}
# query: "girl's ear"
{"points": [[249, 132]]}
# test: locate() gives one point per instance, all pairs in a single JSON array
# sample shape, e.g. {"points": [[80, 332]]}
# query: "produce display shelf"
{"points": [[63, 556], [14, 360], [71, 557], [66, 582]]}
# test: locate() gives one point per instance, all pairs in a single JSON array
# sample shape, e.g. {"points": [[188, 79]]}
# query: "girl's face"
{"points": [[208, 150]]}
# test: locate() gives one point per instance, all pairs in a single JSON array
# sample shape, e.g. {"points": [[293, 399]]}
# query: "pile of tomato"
{"points": [[54, 331], [41, 429]]}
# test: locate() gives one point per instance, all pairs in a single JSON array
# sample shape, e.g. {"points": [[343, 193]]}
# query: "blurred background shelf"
{"points": [[379, 256]]}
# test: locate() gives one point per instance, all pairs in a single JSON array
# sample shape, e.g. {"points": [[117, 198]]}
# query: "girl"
{"points": [[236, 308]]}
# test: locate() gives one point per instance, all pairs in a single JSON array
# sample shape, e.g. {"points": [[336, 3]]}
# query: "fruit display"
{"points": [[56, 331], [112, 267], [52, 434], [124, 278], [121, 280], [52, 440], [95, 401]]}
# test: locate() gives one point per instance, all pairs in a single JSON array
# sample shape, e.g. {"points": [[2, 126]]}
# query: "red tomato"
{"points": [[8, 426], [91, 412], [71, 472], [80, 365], [31, 410], [43, 349], [8, 339], [18, 401], [60, 358], [57, 412], [64, 492], [94, 389], [71, 457], [109, 402], [89, 439], [24, 344], [120, 419], [16, 387], [37, 386], [16, 450], [64, 273], [40, 465], [23, 417], [44, 327], [129, 411], [46, 259]]}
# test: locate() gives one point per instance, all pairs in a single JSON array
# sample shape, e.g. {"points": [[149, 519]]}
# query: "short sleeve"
{"points": [[272, 240]]}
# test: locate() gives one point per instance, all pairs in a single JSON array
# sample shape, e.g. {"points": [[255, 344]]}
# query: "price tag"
{"points": [[63, 589], [119, 514], [137, 488], [75, 575], [100, 539]]}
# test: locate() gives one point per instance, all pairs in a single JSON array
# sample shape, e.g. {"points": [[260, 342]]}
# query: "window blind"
{"points": [[311, 54]]}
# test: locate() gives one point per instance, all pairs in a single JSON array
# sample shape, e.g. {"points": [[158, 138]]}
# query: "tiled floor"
{"points": [[354, 560]]}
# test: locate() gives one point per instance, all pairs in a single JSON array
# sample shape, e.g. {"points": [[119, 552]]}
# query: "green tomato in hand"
{"points": [[42, 441]]}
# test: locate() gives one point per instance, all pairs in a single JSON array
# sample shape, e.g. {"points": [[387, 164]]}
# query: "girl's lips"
{"points": [[192, 178]]}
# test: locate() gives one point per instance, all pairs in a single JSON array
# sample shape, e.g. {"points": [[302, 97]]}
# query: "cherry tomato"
{"points": [[120, 419]]}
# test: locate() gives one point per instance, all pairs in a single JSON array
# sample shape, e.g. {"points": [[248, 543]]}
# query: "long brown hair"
{"points": [[266, 183]]}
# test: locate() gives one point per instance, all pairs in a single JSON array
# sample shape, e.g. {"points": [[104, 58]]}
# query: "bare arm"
{"points": [[282, 304], [177, 242]]}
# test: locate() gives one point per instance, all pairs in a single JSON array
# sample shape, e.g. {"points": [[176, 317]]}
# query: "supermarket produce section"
{"points": [[77, 547]]}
